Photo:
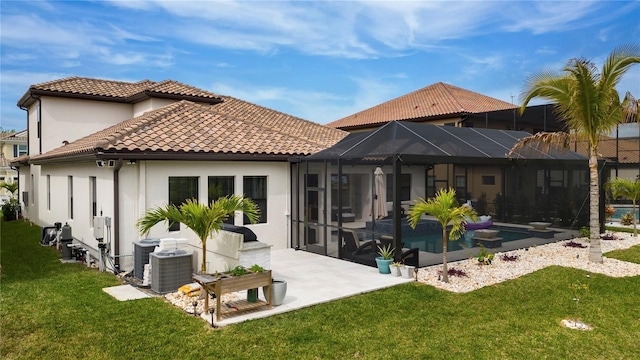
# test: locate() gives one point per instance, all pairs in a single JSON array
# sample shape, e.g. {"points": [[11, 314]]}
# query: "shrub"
{"points": [[584, 232], [626, 219], [484, 256], [609, 236], [506, 257], [574, 244], [454, 272], [9, 209]]}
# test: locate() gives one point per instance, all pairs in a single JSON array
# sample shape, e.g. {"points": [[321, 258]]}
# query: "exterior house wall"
{"points": [[144, 185], [70, 119], [58, 191], [152, 180], [141, 107], [7, 174]]}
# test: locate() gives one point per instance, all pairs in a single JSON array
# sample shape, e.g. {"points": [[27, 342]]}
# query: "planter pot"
{"points": [[395, 270], [278, 291], [404, 271], [383, 265], [410, 271], [252, 295]]}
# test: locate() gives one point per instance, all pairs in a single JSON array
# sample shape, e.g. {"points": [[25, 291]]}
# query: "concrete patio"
{"points": [[313, 279]]}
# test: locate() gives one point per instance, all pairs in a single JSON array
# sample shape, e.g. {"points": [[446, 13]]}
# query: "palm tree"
{"points": [[589, 104], [10, 187], [203, 219], [444, 207], [621, 187]]}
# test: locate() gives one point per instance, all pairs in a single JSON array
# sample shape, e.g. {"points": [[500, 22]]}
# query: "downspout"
{"points": [[116, 214]]}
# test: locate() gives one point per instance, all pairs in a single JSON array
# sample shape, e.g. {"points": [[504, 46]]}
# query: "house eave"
{"points": [[162, 155]]}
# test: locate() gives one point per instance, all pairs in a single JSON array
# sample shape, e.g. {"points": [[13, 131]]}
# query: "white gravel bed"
{"points": [[530, 260], [185, 302]]}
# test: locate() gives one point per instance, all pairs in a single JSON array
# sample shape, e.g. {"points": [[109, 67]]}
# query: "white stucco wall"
{"points": [[144, 185], [149, 104], [70, 119]]}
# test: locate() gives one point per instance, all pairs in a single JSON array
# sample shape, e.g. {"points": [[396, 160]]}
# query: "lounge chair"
{"points": [[366, 252]]}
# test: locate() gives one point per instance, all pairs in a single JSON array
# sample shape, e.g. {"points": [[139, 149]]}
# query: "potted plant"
{"points": [[396, 268], [385, 259]]}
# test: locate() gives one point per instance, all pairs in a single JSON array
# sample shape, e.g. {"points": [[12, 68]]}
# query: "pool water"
{"points": [[623, 210], [433, 242]]}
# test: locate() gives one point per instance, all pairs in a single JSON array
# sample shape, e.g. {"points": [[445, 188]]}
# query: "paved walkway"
{"points": [[314, 279]]}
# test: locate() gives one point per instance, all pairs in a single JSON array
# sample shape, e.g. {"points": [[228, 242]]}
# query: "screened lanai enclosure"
{"points": [[362, 188]]}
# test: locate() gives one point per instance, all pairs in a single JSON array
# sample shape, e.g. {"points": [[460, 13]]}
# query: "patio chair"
{"points": [[363, 253]]}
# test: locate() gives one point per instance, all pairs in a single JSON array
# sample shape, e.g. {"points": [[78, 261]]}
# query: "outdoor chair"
{"points": [[366, 252], [361, 252]]}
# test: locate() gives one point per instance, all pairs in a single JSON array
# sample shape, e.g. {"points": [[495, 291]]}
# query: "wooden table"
{"points": [[227, 284]]}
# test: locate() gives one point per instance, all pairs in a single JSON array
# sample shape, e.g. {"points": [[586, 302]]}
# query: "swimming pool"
{"points": [[432, 242], [623, 209]]}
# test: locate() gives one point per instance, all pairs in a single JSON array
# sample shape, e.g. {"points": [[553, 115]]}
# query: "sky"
{"points": [[318, 60]]}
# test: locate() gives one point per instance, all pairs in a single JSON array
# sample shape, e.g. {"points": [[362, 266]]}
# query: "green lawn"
{"points": [[50, 310]]}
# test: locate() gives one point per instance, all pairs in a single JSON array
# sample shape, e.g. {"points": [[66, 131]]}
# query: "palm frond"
{"points": [[544, 142]]}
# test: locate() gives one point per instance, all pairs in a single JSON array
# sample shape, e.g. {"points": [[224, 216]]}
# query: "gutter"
{"points": [[116, 214]]}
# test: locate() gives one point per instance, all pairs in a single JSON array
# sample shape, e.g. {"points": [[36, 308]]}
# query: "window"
{"points": [[93, 204], [49, 192], [405, 187], [1, 178], [461, 187], [255, 188], [220, 186], [32, 189], [70, 188], [181, 188], [450, 124], [431, 186], [19, 150], [488, 180]]}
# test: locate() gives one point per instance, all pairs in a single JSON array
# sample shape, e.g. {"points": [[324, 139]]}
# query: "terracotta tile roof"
{"points": [[185, 127], [628, 151], [114, 90], [434, 101], [19, 135], [278, 121]]}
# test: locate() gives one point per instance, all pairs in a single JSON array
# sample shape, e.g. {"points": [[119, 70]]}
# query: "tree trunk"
{"points": [[204, 256], [595, 252], [445, 271], [635, 229]]}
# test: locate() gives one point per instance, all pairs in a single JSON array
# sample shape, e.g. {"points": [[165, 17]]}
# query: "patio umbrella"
{"points": [[380, 202]]}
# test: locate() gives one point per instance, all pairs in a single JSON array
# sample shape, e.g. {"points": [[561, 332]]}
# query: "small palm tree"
{"points": [[589, 104], [444, 207], [621, 187], [204, 220], [10, 187]]}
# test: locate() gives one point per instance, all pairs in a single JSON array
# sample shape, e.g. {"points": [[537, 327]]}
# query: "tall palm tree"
{"points": [[621, 187], [444, 207], [589, 104], [204, 220]]}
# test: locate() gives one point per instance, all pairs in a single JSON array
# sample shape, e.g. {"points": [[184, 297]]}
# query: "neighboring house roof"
{"points": [[627, 149], [19, 136], [435, 101], [118, 91], [231, 130]]}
